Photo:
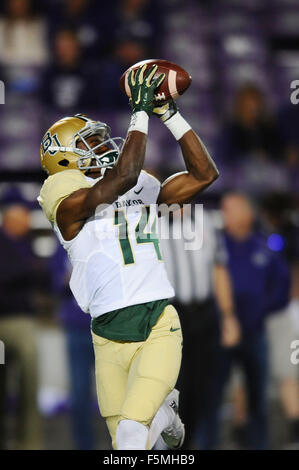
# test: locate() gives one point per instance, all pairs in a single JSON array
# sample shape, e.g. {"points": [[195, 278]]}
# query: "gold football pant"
{"points": [[133, 379]]}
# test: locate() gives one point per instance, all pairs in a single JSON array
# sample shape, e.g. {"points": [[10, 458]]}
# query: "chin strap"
{"points": [[103, 171]]}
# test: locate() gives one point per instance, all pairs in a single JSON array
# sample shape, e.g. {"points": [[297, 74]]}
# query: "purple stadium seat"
{"points": [[230, 21], [242, 48], [240, 5], [22, 154], [284, 3], [284, 21]]}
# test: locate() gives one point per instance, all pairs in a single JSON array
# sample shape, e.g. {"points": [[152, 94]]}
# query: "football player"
{"points": [[102, 206]]}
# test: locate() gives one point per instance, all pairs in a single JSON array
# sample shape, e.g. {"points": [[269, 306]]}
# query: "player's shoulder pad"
{"points": [[59, 186]]}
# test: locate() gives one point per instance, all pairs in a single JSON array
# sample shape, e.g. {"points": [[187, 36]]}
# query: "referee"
{"points": [[199, 276]]}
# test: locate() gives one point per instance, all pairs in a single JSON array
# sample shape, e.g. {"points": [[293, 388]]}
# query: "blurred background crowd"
{"points": [[238, 297]]}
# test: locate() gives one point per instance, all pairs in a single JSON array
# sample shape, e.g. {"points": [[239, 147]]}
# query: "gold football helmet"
{"points": [[59, 152]]}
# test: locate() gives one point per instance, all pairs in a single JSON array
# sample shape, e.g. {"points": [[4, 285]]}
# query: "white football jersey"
{"points": [[116, 256]]}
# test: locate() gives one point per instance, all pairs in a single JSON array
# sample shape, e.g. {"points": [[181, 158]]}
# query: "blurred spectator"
{"points": [[69, 84], [127, 51], [142, 19], [22, 35], [288, 122], [18, 280], [23, 47], [283, 236], [80, 353], [88, 18], [261, 286], [198, 277], [251, 132]]}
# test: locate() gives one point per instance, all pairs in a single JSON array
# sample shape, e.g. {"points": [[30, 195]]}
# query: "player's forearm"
{"points": [[223, 290], [197, 159], [131, 160], [201, 172], [123, 176], [198, 162]]}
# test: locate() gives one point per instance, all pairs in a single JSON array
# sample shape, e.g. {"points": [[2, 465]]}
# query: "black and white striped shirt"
{"points": [[190, 271]]}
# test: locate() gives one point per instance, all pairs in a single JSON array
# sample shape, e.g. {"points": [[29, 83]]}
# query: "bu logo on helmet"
{"points": [[48, 141]]}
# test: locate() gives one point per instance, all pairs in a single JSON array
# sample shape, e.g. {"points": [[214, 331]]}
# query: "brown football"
{"points": [[176, 82]]}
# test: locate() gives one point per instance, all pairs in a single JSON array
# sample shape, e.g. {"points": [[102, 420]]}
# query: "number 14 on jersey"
{"points": [[140, 234]]}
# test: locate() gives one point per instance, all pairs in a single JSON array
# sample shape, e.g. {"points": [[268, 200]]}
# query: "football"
{"points": [[176, 82]]}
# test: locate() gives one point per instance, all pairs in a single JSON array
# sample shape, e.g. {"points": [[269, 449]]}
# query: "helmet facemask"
{"points": [[92, 158]]}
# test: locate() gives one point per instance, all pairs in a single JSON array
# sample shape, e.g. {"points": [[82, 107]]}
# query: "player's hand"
{"points": [[143, 88], [230, 331], [166, 111]]}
